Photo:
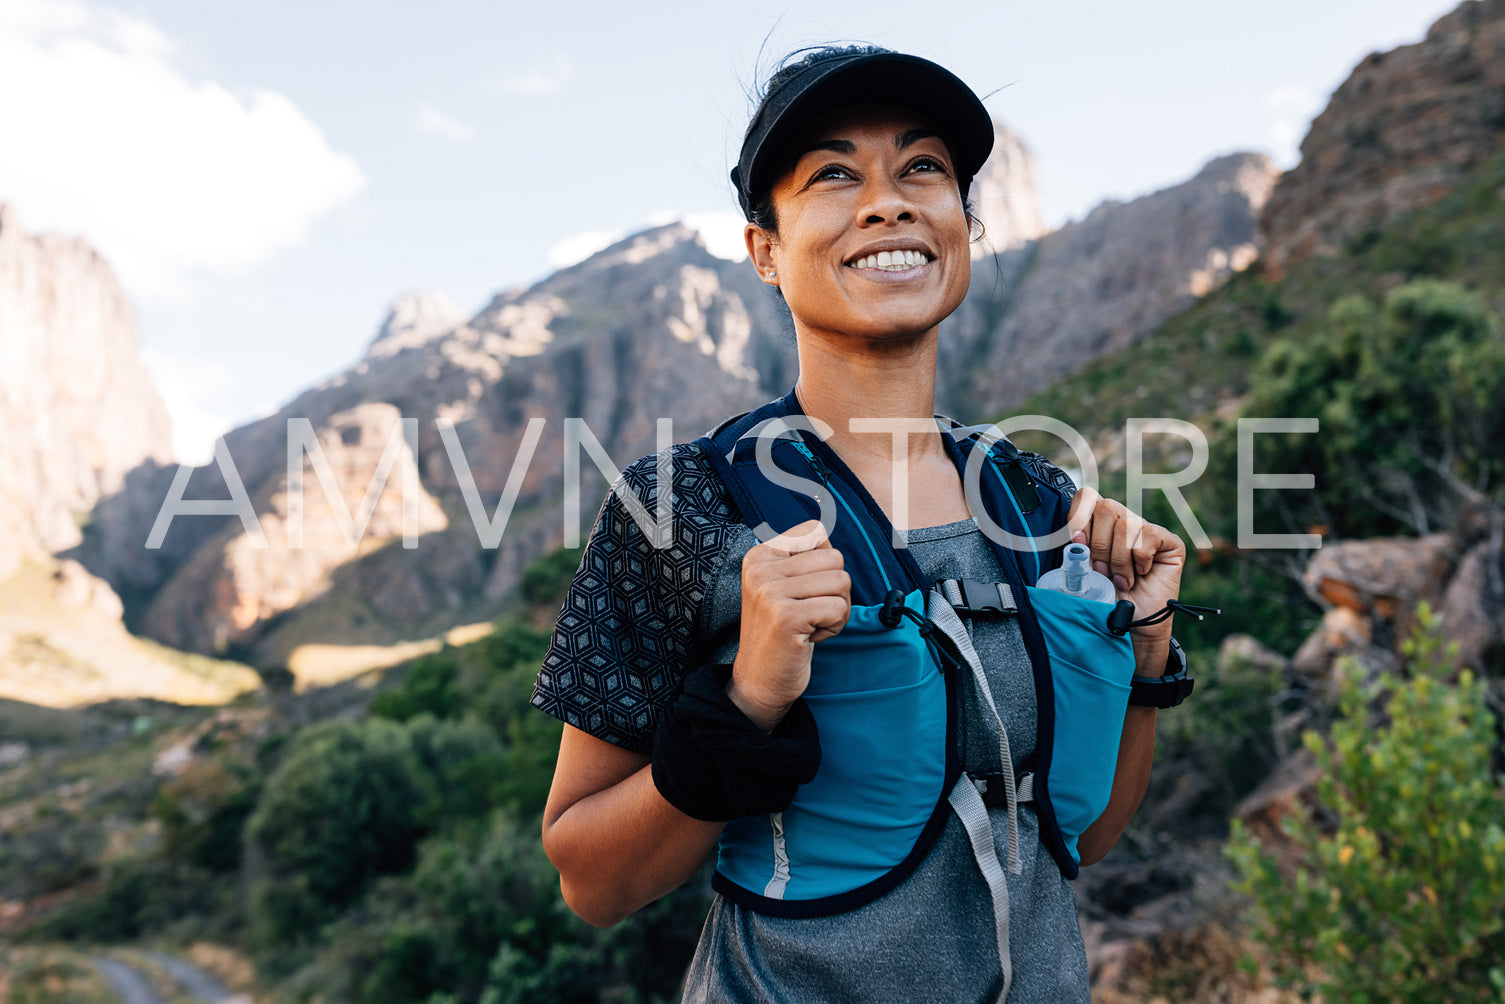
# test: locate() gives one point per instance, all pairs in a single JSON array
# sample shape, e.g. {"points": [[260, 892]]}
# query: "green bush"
{"points": [[1392, 889], [429, 686], [345, 806], [1400, 390], [546, 579]]}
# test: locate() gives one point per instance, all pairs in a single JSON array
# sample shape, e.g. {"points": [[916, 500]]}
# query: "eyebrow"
{"points": [[847, 147]]}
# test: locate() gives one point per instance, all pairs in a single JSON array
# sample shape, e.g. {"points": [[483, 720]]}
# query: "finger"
{"points": [[1100, 537], [826, 583], [827, 616], [807, 536], [1127, 531], [775, 566], [1083, 506]]}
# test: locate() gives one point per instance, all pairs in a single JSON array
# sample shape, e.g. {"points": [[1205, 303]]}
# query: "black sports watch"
{"points": [[1167, 691]]}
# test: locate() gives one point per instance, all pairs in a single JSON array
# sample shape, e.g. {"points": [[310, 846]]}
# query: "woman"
{"points": [[853, 177]]}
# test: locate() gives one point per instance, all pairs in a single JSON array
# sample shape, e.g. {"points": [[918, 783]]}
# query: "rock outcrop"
{"points": [[1398, 134], [414, 319], [1097, 286], [75, 400]]}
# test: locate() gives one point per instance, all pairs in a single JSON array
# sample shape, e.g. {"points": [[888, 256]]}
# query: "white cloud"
{"points": [[579, 247], [105, 136], [544, 77], [722, 233], [1292, 110], [434, 122], [185, 383]]}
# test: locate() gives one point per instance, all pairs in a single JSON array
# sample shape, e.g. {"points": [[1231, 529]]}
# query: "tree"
{"points": [[1393, 884], [1410, 396], [346, 805]]}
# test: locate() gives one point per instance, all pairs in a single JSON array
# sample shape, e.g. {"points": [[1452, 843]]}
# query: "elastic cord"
{"points": [[712, 763]]}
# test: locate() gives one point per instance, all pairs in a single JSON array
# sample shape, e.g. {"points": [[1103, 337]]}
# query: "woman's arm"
{"points": [[617, 844]]}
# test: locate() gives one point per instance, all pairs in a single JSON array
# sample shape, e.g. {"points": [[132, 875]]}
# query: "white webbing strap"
{"points": [[944, 618], [969, 808]]}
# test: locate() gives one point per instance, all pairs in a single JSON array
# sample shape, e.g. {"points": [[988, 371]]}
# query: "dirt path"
{"points": [[132, 987], [191, 978], [135, 988]]}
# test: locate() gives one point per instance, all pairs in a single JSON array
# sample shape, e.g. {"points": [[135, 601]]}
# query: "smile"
{"points": [[891, 261]]}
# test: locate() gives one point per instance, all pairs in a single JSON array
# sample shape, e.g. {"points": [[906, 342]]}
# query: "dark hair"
{"points": [[760, 209]]}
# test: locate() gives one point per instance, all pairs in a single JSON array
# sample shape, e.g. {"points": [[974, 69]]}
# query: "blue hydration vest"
{"points": [[886, 706]]}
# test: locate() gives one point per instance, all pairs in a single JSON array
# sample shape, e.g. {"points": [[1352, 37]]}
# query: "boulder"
{"points": [[1382, 576], [1473, 610]]}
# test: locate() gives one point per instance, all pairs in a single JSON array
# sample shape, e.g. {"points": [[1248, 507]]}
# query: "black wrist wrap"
{"points": [[712, 763]]}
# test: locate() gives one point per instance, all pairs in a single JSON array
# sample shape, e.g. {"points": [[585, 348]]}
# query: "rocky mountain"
{"points": [[1096, 286], [81, 421], [652, 327], [414, 319], [77, 405], [1398, 134]]}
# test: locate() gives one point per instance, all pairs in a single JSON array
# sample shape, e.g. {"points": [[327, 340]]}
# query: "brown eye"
{"points": [[927, 164]]}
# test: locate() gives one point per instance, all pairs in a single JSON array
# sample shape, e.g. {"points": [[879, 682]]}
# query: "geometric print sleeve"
{"points": [[1048, 473], [627, 630]]}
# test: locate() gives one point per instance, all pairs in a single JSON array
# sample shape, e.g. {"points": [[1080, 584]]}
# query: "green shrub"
{"points": [[345, 806], [428, 686], [546, 579], [1392, 889], [1400, 390]]}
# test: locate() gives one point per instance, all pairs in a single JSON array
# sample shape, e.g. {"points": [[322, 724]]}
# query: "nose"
{"points": [[884, 201]]}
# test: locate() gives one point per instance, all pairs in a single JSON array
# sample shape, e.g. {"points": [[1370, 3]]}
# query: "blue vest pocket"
{"points": [[1091, 671], [879, 701]]}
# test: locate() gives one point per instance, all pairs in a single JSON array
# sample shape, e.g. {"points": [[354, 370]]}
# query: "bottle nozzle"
{"points": [[1074, 570]]}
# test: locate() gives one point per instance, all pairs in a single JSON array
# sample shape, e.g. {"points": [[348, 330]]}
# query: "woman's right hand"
{"points": [[795, 593]]}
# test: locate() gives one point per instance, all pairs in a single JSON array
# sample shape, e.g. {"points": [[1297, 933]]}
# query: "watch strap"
{"points": [[1170, 689]]}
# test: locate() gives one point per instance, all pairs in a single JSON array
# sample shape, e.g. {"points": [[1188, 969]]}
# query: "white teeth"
{"points": [[892, 261]]}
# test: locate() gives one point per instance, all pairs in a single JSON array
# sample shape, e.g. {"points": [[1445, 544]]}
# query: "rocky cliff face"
{"points": [[82, 424], [1396, 135], [1096, 286], [76, 404], [653, 327], [1005, 197]]}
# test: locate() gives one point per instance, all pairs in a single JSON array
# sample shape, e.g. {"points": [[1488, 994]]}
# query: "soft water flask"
{"points": [[1075, 578]]}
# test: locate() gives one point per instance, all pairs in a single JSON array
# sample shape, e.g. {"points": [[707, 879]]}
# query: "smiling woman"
{"points": [[839, 670]]}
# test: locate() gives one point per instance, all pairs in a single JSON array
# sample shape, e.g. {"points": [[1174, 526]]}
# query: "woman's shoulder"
{"points": [[1049, 474], [633, 618], [697, 492]]}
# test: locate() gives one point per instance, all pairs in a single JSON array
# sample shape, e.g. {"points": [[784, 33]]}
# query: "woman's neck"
{"points": [[840, 382]]}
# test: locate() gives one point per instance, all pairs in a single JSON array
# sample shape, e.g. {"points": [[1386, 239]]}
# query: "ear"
{"points": [[760, 246]]}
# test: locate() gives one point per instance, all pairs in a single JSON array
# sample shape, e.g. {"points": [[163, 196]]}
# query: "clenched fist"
{"points": [[795, 593]]}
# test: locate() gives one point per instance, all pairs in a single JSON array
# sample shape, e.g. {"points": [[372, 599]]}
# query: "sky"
{"points": [[266, 178]]}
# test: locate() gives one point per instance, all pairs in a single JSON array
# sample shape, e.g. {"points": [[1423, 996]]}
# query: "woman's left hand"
{"points": [[1143, 560]]}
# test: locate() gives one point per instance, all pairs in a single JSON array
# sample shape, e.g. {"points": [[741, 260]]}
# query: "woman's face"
{"points": [[872, 240]]}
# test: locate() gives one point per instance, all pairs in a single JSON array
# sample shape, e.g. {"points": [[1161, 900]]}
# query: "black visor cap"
{"points": [[931, 90]]}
